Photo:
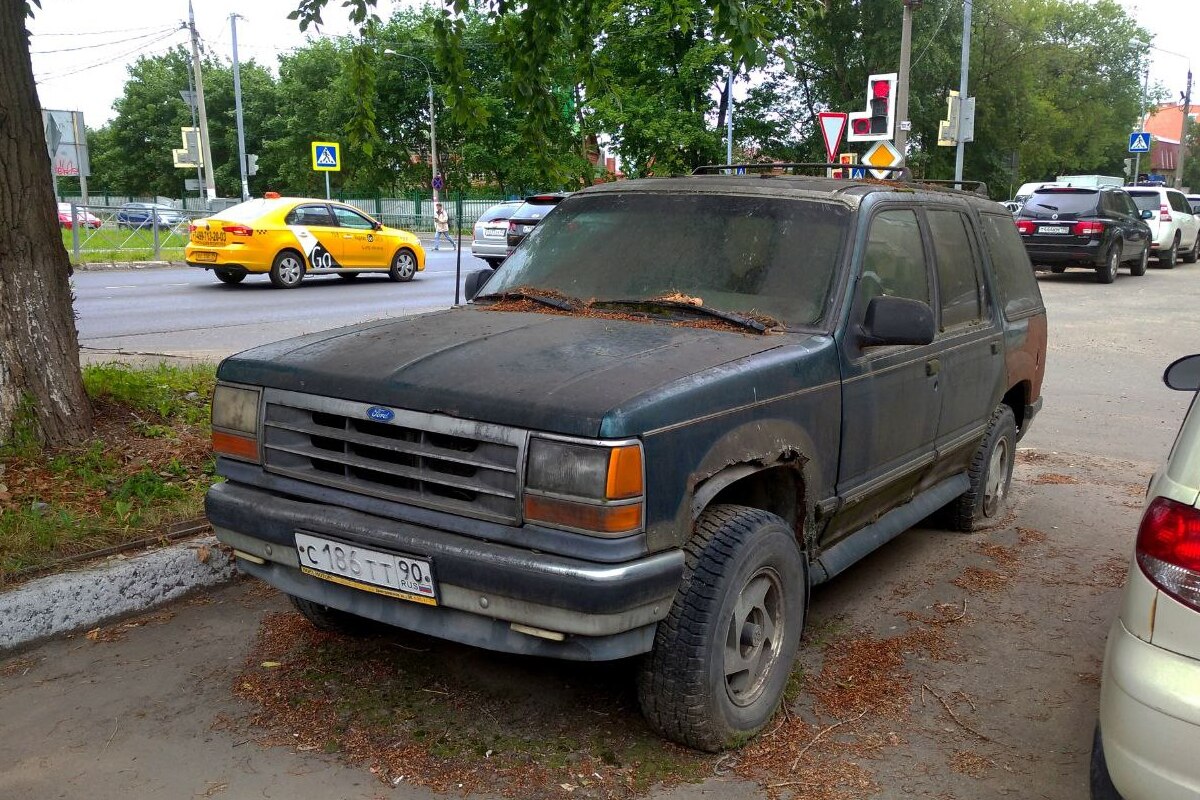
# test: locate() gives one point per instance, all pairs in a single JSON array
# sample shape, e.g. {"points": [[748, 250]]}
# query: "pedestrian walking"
{"points": [[441, 226]]}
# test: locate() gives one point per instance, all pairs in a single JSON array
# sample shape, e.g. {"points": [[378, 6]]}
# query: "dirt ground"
{"points": [[943, 666]]}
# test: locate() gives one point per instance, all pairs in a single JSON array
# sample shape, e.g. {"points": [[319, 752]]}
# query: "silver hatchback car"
{"points": [[490, 239], [1147, 743]]}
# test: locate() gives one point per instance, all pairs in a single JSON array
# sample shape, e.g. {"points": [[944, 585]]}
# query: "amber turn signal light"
{"points": [[624, 473], [584, 516], [235, 446]]}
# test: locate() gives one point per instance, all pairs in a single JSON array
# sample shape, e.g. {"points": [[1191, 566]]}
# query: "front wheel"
{"points": [[287, 270], [722, 656], [404, 266], [1138, 268], [1108, 272], [227, 276], [990, 474]]}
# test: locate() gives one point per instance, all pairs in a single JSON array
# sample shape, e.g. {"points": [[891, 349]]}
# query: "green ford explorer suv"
{"points": [[678, 405]]}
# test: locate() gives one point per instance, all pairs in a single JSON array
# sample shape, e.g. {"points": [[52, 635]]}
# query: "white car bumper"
{"points": [[1150, 719]]}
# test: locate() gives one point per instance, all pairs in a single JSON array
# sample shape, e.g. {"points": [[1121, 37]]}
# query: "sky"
{"points": [[82, 48]]}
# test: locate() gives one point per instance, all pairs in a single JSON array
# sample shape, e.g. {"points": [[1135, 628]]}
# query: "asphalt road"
{"points": [[187, 311]]}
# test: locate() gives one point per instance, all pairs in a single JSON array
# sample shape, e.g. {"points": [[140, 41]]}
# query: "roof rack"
{"points": [[767, 166], [978, 187]]}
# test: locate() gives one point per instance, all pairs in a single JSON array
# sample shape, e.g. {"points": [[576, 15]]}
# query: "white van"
{"points": [[1028, 189]]}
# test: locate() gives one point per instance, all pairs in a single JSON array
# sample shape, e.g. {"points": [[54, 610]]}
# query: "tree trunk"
{"points": [[39, 348]]}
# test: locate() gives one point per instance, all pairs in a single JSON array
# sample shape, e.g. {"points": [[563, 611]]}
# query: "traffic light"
{"points": [[251, 164], [879, 120]]}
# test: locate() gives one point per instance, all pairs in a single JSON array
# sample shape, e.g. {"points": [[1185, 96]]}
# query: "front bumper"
{"points": [[594, 611], [1150, 719]]}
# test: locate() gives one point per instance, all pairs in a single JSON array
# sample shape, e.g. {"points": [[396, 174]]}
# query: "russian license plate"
{"points": [[205, 236], [1054, 229], [204, 256], [494, 233], [388, 574]]}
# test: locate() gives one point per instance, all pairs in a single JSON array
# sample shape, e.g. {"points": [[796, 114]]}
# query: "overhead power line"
{"points": [[139, 49], [155, 32]]}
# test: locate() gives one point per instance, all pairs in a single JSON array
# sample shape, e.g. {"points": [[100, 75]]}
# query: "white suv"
{"points": [[1147, 743], [1175, 230]]}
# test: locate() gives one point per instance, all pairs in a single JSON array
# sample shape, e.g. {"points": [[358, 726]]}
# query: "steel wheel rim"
{"points": [[405, 266], [754, 637], [1113, 262], [290, 269], [994, 491]]}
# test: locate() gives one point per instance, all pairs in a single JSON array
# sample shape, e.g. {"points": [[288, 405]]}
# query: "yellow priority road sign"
{"points": [[326, 157]]}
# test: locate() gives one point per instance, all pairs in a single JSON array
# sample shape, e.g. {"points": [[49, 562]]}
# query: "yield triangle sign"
{"points": [[833, 127]]}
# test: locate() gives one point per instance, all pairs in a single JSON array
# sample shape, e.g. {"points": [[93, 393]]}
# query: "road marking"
{"points": [[130, 286]]}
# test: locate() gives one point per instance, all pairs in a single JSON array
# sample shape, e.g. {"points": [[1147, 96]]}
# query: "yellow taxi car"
{"points": [[290, 237]]}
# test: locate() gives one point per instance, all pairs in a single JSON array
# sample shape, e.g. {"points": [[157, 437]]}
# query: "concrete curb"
{"points": [[81, 599], [114, 266]]}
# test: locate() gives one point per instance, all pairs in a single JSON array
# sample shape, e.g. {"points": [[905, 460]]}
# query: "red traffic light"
{"points": [[881, 89]]}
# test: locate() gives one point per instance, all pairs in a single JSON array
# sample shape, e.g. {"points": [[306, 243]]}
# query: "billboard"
{"points": [[66, 142]]}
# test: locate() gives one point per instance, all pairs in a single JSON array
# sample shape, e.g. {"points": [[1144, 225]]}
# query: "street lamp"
{"points": [[432, 120]]}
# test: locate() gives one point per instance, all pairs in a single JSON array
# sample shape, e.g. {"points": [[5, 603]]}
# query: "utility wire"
{"points": [[156, 32], [54, 77], [96, 33]]}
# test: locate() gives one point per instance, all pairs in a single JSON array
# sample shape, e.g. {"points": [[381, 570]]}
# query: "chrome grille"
{"points": [[426, 460]]}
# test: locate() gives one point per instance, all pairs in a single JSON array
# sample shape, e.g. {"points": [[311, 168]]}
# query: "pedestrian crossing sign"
{"points": [[326, 157], [1139, 142]]}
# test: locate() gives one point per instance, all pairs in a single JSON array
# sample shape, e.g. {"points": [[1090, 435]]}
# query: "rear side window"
{"points": [[1146, 201], [894, 261], [958, 279], [310, 215], [1178, 203], [1015, 283]]}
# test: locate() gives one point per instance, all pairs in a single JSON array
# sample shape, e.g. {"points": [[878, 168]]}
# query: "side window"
{"points": [[1015, 283], [958, 274], [894, 261], [310, 215], [350, 219], [1178, 203], [1130, 207]]}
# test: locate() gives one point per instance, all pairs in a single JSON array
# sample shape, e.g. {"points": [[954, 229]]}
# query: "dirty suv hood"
{"points": [[539, 371]]}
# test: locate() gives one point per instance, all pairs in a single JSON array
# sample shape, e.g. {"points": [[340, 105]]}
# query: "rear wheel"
{"points": [[227, 276], [404, 266], [1191, 255], [1138, 268], [1167, 258], [287, 270], [1107, 273], [990, 474], [722, 656], [329, 619]]}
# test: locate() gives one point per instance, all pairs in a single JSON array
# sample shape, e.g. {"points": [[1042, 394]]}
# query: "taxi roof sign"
{"points": [[326, 157]]}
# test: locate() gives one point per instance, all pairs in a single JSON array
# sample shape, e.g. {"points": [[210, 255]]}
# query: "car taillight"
{"points": [[238, 230], [512, 227], [192, 227], [1168, 549], [1024, 226], [1087, 227], [1164, 213]]}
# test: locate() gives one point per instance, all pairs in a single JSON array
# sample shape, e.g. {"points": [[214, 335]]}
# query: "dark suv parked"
{"points": [[1098, 229], [680, 404]]}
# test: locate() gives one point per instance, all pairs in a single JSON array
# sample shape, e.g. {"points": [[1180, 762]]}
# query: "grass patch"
{"points": [[147, 465], [109, 244], [457, 719]]}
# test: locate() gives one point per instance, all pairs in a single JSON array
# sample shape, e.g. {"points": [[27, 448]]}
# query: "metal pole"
{"points": [[80, 133], [902, 79], [729, 118], [237, 105], [1187, 107], [458, 255], [199, 166], [327, 197], [75, 217], [432, 139], [210, 185], [1137, 157], [962, 82]]}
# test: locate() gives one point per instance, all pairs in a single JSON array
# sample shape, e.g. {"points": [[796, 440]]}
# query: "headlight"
{"points": [[235, 422], [595, 488]]}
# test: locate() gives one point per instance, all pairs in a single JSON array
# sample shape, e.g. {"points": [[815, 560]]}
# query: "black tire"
{"points": [[1058, 270], [686, 689], [1194, 253], [990, 474], [227, 276], [348, 276], [1107, 272], [494, 263], [1138, 268], [404, 266], [287, 270], [1167, 258], [1100, 781], [330, 619]]}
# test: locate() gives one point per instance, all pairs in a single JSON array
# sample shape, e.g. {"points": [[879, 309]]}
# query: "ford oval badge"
{"points": [[380, 414]]}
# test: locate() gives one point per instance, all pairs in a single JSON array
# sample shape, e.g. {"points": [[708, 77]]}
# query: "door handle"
{"points": [[933, 366], [347, 236]]}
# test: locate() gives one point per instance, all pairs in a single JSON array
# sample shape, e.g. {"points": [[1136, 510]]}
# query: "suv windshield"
{"points": [[738, 254], [1146, 200], [1076, 202]]}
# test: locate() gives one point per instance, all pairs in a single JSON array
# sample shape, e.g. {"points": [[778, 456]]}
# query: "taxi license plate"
{"points": [[402, 577], [1054, 229], [204, 256], [202, 236], [494, 233]]}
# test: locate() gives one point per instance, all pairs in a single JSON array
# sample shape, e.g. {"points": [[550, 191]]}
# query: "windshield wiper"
{"points": [[554, 301], [1043, 205], [707, 311]]}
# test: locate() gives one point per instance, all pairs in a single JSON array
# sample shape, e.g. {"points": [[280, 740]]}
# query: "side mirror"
{"points": [[475, 281], [378, 226], [1147, 214], [897, 320], [1184, 374]]}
